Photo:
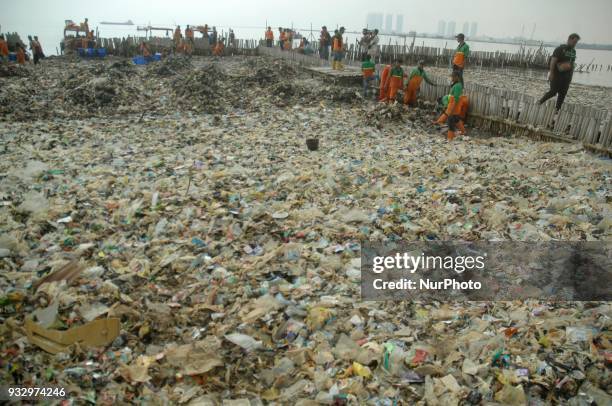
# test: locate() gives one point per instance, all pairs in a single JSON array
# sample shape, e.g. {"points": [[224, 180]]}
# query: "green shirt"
{"points": [[368, 67], [465, 48], [456, 91], [418, 72], [398, 72]]}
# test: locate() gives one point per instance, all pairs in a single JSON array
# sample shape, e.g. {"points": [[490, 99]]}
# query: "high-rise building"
{"points": [[451, 28], [399, 23], [374, 21], [474, 30], [441, 27], [389, 22], [466, 28]]}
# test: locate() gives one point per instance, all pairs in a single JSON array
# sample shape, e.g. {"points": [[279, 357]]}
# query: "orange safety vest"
{"points": [[20, 56], [337, 44], [145, 50], [218, 51], [4, 51], [462, 107], [189, 33], [283, 36], [269, 34]]}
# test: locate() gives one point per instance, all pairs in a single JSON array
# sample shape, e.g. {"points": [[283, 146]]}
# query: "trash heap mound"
{"points": [[170, 66], [384, 113], [104, 87], [201, 90]]}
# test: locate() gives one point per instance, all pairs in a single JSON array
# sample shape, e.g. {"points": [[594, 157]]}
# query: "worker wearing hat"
{"points": [[561, 70], [461, 53]]}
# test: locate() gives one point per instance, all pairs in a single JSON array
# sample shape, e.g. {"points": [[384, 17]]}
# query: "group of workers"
{"points": [[21, 54], [184, 43], [286, 37], [393, 78]]}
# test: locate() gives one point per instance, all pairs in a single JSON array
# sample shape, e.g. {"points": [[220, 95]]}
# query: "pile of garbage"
{"points": [[384, 113], [93, 87], [201, 89], [213, 259], [12, 70], [170, 66]]}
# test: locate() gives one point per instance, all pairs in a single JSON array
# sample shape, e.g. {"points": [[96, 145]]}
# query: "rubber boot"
{"points": [[461, 128], [335, 65], [340, 66], [451, 135]]}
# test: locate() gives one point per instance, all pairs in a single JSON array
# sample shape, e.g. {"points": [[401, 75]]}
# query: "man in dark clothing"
{"points": [[325, 41], [561, 70]]}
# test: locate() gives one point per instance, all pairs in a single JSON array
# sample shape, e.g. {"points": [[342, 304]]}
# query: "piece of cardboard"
{"points": [[93, 334], [68, 272]]}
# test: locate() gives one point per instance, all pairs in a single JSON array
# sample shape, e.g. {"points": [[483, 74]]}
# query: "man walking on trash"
{"points": [[561, 70]]}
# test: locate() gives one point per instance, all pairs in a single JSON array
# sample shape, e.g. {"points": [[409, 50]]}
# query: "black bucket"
{"points": [[312, 144]]}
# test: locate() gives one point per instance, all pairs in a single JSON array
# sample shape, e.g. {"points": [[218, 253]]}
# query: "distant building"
{"points": [[466, 28], [474, 29], [374, 21], [389, 22], [451, 28], [399, 23], [441, 27]]}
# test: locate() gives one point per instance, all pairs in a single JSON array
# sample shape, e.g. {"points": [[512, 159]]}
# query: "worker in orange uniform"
{"points": [[269, 37], [384, 83], [463, 107], [396, 80], [177, 38], [218, 50], [282, 38], [144, 49], [455, 109], [90, 39], [461, 54], [368, 69], [289, 40], [20, 54], [189, 34], [416, 77], [4, 51], [338, 49]]}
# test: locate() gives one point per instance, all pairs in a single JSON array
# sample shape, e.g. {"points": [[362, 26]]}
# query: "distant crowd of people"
{"points": [[184, 43], [21, 54]]}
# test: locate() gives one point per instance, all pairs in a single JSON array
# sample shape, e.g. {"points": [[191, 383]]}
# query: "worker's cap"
{"points": [[574, 36], [460, 36], [324, 28]]}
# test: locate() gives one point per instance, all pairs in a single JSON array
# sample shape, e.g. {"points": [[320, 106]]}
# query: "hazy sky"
{"points": [[555, 19]]}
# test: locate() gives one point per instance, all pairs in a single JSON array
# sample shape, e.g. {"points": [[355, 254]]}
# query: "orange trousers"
{"points": [[384, 83], [410, 95], [395, 84]]}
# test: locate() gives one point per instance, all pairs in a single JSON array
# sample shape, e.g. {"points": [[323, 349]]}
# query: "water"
{"points": [[51, 42]]}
